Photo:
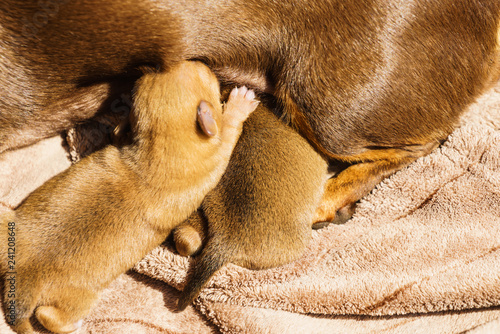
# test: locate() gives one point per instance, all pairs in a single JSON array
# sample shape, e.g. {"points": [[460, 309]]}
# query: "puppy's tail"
{"points": [[211, 259]]}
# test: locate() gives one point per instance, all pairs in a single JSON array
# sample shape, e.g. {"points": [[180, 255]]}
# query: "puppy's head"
{"points": [[181, 105]]}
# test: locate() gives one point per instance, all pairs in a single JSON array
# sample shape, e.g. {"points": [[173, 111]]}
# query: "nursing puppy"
{"points": [[260, 214], [372, 83], [87, 225]]}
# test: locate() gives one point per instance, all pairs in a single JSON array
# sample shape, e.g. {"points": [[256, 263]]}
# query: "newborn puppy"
{"points": [[84, 227], [261, 212]]}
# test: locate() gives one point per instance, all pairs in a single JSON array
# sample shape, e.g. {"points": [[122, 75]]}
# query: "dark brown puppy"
{"points": [[260, 214], [81, 229], [376, 83]]}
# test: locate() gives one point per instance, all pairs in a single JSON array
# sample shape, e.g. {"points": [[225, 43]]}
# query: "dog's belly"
{"points": [[414, 88], [252, 79], [406, 88]]}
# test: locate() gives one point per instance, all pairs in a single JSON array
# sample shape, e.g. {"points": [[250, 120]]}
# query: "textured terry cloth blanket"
{"points": [[420, 255], [426, 240]]}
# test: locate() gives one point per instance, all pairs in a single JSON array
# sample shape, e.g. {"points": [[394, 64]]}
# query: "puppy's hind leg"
{"points": [[190, 235], [56, 320], [68, 313]]}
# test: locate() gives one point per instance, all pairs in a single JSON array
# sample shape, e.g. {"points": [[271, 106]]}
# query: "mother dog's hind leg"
{"points": [[344, 190]]}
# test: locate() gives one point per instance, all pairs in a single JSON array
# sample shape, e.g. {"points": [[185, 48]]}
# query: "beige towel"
{"points": [[421, 255], [425, 240]]}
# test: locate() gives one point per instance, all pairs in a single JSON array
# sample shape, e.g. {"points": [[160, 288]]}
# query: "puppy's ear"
{"points": [[206, 119]]}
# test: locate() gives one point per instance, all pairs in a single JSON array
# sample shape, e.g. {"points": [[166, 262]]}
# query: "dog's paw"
{"points": [[187, 240], [240, 105], [326, 215], [57, 320]]}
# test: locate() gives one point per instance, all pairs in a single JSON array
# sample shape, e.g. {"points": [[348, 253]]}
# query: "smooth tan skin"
{"points": [[370, 82], [260, 214], [84, 227]]}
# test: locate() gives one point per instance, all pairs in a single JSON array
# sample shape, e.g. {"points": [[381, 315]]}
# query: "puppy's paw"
{"points": [[240, 105], [56, 320], [187, 240]]}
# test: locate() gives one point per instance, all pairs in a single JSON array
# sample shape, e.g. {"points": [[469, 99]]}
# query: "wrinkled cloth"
{"points": [[420, 255]]}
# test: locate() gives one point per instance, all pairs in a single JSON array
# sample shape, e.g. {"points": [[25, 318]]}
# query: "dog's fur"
{"points": [[260, 214], [87, 225], [376, 83]]}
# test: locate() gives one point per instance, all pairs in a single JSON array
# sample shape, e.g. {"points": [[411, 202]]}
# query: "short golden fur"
{"points": [[260, 214], [87, 225], [372, 82]]}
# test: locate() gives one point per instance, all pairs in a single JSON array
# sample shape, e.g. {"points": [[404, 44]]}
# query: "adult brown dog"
{"points": [[375, 83]]}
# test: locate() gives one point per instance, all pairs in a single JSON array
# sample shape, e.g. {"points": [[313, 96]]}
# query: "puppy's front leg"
{"points": [[240, 104]]}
